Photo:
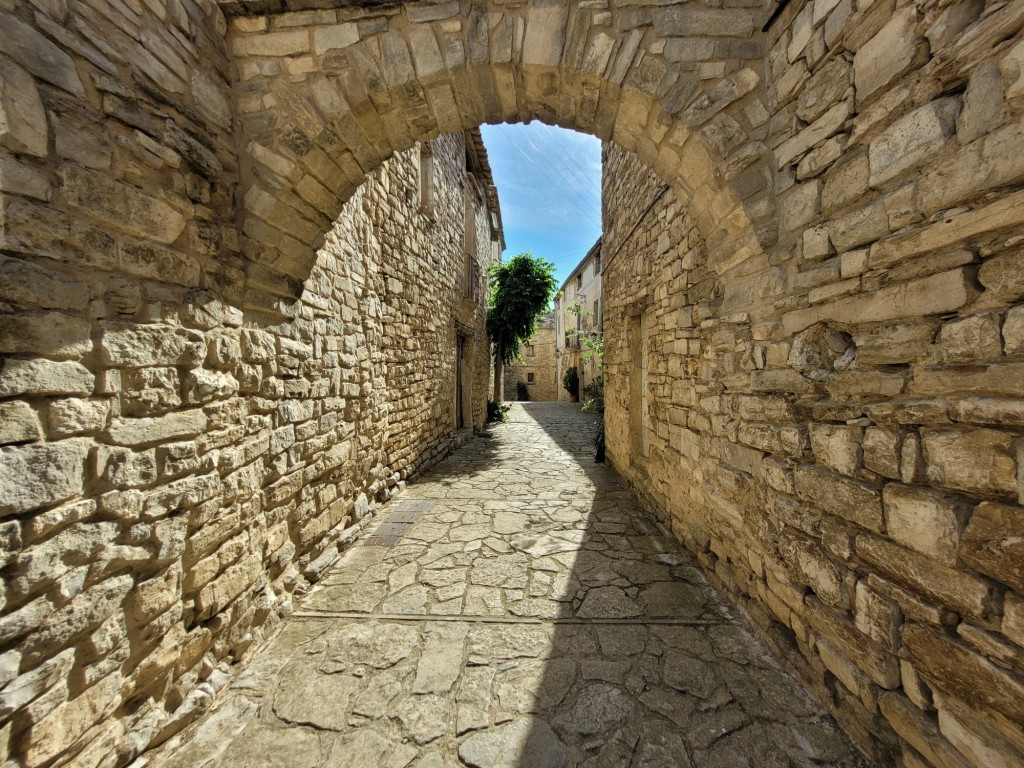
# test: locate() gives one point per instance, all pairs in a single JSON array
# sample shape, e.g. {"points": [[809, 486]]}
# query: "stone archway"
{"points": [[324, 96], [851, 180]]}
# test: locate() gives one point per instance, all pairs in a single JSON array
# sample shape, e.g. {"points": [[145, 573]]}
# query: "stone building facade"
{"points": [[579, 308], [535, 366], [814, 376]]}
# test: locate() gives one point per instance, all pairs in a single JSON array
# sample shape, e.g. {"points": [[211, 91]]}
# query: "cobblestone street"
{"points": [[514, 607]]}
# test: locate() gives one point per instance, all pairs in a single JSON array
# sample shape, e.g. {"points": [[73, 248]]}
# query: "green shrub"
{"points": [[496, 412]]}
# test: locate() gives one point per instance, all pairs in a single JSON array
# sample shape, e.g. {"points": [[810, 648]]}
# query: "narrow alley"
{"points": [[514, 607]]}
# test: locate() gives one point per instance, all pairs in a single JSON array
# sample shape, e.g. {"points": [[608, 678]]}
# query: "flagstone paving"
{"points": [[514, 607]]}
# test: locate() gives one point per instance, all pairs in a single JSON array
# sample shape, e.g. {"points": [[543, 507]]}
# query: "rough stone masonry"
{"points": [[814, 321]]}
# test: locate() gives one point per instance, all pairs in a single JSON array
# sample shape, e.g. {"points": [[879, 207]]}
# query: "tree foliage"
{"points": [[521, 290]]}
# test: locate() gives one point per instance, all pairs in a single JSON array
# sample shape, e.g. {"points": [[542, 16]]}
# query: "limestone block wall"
{"points": [[835, 429], [536, 357], [174, 470]]}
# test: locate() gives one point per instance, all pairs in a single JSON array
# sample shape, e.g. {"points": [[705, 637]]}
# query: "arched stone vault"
{"points": [[324, 97]]}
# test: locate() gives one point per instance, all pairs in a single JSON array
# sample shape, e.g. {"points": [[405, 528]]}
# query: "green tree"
{"points": [[521, 291]]}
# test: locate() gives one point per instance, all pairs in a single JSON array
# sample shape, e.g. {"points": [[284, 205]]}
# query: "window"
{"points": [[469, 230], [530, 351], [529, 378], [427, 178], [471, 279], [597, 265], [471, 273], [579, 283]]}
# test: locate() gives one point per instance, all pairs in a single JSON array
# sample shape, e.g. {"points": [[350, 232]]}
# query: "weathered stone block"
{"points": [[1007, 412], [1013, 617], [152, 597], [70, 549], [229, 585], [965, 674], [816, 570], [800, 205], [874, 661], [201, 386], [925, 520], [18, 423], [29, 285], [893, 342], [132, 345], [821, 157], [825, 126], [258, 346], [71, 721], [1003, 277], [837, 446], [957, 228], [1013, 331], [911, 140], [826, 86], [860, 226], [982, 744], [983, 103], [989, 162], [125, 467], [918, 730], [944, 292], [23, 179], [876, 616], [120, 206], [973, 338], [982, 380], [887, 55], [846, 183], [785, 441], [173, 426], [149, 391], [49, 334], [22, 118], [922, 575], [993, 543], [708, 22], [40, 474], [75, 416], [881, 449], [972, 460], [840, 496], [331, 38], [283, 43]]}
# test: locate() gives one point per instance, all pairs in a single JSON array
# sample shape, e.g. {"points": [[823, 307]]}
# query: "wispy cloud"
{"points": [[549, 184]]}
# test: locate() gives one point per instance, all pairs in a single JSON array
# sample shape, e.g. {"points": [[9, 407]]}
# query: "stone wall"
{"points": [[537, 357], [835, 429], [175, 471]]}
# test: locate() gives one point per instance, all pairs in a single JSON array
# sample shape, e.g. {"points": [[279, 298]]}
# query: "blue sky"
{"points": [[549, 185]]}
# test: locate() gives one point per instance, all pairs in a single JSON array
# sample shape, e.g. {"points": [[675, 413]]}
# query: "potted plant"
{"points": [[571, 382]]}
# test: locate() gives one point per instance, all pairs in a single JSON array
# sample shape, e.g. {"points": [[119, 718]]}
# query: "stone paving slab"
{"points": [[530, 615]]}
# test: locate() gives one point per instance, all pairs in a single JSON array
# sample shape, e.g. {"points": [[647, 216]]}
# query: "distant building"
{"points": [[582, 291], [536, 366]]}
